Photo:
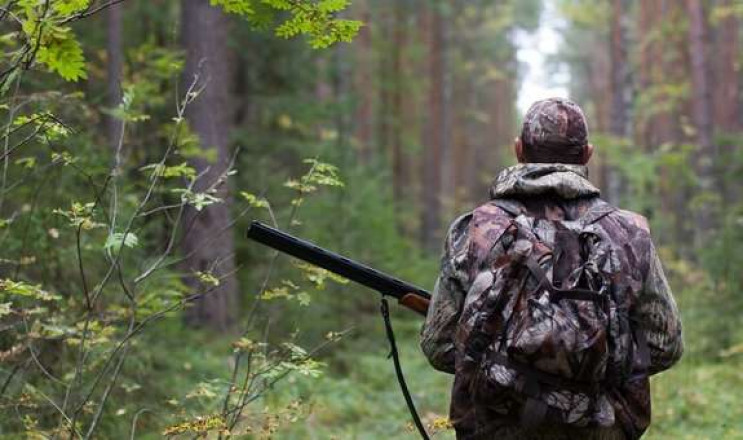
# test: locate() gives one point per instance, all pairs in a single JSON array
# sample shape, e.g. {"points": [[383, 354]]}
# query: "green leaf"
{"points": [[317, 275], [328, 6], [315, 19], [198, 200], [198, 425], [238, 7], [126, 110], [116, 240], [64, 55], [160, 170], [49, 129], [69, 7], [253, 200], [21, 288], [26, 162], [80, 215], [5, 309], [207, 278], [65, 158]]}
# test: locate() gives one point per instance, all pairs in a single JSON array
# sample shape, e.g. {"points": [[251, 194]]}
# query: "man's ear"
{"points": [[518, 148], [587, 153]]}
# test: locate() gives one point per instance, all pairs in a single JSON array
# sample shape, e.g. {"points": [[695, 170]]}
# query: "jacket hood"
{"points": [[531, 179]]}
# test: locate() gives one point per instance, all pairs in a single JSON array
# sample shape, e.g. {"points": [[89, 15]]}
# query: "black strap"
{"points": [[560, 294], [643, 351], [385, 309], [578, 295], [533, 413], [539, 274]]}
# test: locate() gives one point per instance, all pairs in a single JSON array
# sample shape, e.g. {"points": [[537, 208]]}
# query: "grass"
{"points": [[699, 401], [366, 402]]}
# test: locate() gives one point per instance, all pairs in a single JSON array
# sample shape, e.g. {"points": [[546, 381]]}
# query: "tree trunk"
{"points": [[208, 244], [702, 112], [114, 74], [363, 125], [727, 93], [434, 135], [398, 78], [727, 78], [620, 121], [663, 61], [458, 111], [385, 70]]}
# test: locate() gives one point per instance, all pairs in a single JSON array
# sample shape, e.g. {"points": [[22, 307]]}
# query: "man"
{"points": [[550, 183]]}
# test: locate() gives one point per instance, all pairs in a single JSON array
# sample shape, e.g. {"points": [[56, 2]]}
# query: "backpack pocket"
{"points": [[567, 338]]}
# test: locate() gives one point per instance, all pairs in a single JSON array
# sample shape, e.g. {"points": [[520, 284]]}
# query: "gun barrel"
{"points": [[338, 264]]}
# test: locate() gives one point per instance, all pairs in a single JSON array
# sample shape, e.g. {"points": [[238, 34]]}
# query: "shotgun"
{"points": [[407, 294]]}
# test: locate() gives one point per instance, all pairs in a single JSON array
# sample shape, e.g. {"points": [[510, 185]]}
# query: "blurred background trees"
{"points": [[141, 137]]}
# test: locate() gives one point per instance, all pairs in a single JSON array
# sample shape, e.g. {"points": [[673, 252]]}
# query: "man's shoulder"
{"points": [[486, 223], [632, 220], [630, 231], [487, 215], [477, 225], [495, 212]]}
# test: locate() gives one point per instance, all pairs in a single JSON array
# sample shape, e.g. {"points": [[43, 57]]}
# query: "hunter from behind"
{"points": [[551, 308]]}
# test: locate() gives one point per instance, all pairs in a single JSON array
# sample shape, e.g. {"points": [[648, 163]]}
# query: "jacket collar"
{"points": [[532, 179]]}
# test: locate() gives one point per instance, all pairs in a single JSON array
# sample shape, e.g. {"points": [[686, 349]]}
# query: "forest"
{"points": [[141, 138]]}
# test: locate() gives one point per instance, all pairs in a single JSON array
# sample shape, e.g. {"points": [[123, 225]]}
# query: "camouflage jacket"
{"points": [[551, 191]]}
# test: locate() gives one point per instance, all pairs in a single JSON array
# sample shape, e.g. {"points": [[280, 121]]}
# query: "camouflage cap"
{"points": [[554, 122]]}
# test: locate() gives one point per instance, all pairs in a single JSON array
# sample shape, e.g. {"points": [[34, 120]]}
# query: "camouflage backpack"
{"points": [[545, 333]]}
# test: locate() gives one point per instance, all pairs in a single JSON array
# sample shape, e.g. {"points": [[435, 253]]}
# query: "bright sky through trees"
{"points": [[539, 80]]}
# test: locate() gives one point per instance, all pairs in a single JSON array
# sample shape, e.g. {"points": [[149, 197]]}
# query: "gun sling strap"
{"points": [[385, 309]]}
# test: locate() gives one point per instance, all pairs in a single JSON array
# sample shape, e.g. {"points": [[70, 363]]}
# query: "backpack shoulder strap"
{"points": [[510, 206], [599, 210]]}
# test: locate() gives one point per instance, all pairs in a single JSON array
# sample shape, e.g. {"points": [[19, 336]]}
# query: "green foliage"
{"points": [[254, 201], [319, 174], [200, 426], [116, 240], [317, 276], [726, 11], [62, 53], [180, 170], [207, 278], [69, 7], [10, 289], [47, 127], [313, 18], [199, 200], [80, 215], [585, 13], [105, 237], [43, 37], [662, 98], [125, 110]]}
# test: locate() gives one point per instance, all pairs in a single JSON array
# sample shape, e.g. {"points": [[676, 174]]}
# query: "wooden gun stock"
{"points": [[415, 302]]}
